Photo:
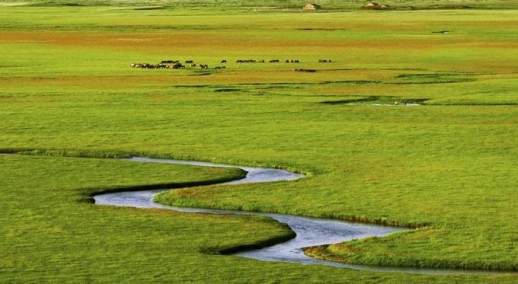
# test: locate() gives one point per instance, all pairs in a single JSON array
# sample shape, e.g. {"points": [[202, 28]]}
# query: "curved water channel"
{"points": [[309, 231]]}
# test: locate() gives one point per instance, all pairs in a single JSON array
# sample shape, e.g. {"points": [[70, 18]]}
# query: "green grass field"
{"points": [[447, 167]]}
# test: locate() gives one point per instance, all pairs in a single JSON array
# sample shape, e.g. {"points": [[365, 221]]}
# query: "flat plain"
{"points": [[412, 123]]}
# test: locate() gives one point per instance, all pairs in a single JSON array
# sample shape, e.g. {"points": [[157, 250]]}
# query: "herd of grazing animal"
{"points": [[264, 61], [169, 64], [174, 64], [177, 64]]}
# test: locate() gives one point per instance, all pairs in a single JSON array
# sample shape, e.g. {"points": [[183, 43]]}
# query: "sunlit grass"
{"points": [[447, 166]]}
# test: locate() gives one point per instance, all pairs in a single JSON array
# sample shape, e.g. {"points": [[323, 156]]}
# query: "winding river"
{"points": [[309, 231]]}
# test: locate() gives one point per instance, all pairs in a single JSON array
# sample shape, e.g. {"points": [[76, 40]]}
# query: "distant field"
{"points": [[275, 4], [412, 123]]}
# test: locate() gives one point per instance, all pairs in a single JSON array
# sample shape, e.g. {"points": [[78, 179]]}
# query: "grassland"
{"points": [[326, 5], [447, 167]]}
